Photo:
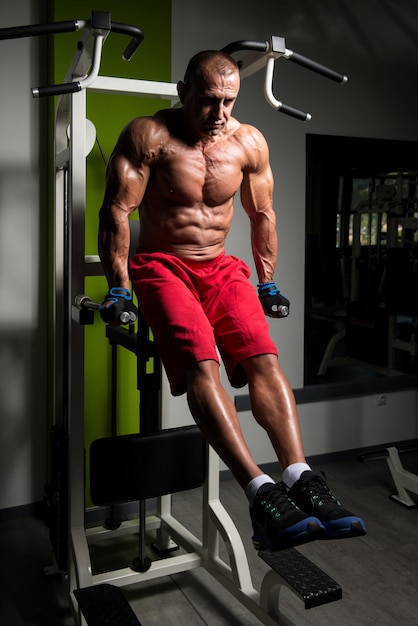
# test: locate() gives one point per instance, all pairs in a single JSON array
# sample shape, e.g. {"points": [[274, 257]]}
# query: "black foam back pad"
{"points": [[137, 467]]}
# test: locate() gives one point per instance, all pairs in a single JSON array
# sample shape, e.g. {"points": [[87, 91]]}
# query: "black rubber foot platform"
{"points": [[313, 585], [105, 605]]}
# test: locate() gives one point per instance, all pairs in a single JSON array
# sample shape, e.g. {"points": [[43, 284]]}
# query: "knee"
{"points": [[262, 367], [203, 373], [266, 378], [203, 388]]}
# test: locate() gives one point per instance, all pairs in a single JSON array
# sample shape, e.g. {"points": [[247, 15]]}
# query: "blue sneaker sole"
{"points": [[344, 528], [304, 532]]}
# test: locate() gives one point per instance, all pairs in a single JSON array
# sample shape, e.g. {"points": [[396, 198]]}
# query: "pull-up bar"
{"points": [[262, 54], [100, 25], [265, 53]]}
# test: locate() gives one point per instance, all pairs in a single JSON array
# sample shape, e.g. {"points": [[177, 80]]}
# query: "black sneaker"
{"points": [[313, 496], [277, 521]]}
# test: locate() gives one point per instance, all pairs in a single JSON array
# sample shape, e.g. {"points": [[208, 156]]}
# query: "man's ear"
{"points": [[181, 90]]}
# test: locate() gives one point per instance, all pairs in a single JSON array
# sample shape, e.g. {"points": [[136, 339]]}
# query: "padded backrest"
{"points": [[127, 468]]}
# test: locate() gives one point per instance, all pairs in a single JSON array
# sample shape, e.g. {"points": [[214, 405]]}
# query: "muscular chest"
{"points": [[194, 175]]}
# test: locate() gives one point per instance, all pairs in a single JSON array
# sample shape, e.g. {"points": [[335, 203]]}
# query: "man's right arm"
{"points": [[125, 188]]}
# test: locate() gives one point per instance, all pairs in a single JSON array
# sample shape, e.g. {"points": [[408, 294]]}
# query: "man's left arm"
{"points": [[257, 200]]}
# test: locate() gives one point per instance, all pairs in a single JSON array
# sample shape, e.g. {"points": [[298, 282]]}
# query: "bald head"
{"points": [[205, 63], [208, 94]]}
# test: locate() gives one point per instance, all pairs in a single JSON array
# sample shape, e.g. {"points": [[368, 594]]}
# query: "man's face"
{"points": [[207, 106]]}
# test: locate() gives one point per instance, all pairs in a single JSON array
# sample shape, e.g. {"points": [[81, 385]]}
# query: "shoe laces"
{"points": [[319, 492], [277, 502]]}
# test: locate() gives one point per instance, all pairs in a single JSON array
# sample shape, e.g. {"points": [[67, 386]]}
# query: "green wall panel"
{"points": [[109, 114]]}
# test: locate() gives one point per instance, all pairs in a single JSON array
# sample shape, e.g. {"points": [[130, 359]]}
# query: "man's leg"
{"points": [[277, 522], [274, 408], [215, 414]]}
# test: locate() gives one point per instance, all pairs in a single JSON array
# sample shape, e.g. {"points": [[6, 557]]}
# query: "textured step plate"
{"points": [[307, 580]]}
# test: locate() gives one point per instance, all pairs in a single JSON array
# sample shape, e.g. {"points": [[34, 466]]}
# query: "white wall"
{"points": [[374, 43], [23, 281]]}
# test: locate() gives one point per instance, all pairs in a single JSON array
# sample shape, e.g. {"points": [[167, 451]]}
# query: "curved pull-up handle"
{"points": [[274, 50], [276, 104], [99, 22], [280, 50], [73, 87], [136, 34], [245, 44]]}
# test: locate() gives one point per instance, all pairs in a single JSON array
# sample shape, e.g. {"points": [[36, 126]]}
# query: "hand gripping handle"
{"points": [[85, 302]]}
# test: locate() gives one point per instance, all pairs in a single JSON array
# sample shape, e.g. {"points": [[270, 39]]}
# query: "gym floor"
{"points": [[378, 572]]}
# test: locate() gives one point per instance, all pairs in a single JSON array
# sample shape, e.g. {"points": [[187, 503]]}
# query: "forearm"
{"points": [[114, 244], [264, 245], [126, 180]]}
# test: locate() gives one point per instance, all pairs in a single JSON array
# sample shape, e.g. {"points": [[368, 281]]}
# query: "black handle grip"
{"points": [[33, 30], [56, 90], [316, 67], [136, 34], [235, 46], [299, 115], [85, 302]]}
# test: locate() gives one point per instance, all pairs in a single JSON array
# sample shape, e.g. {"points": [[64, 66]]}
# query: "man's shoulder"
{"points": [[247, 132], [160, 126], [252, 143], [144, 133], [148, 123]]}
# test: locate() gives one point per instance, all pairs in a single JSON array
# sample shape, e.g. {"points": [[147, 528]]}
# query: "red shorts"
{"points": [[193, 307]]}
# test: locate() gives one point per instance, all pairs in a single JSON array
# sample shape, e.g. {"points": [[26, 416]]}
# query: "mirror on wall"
{"points": [[361, 285]]}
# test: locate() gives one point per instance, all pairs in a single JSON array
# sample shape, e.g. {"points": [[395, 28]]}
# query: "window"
{"points": [[361, 283]]}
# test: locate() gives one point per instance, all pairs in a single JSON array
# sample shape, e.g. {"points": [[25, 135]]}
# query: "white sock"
{"points": [[293, 472], [254, 485]]}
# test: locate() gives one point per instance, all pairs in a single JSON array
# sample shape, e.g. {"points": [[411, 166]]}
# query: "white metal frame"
{"points": [[404, 480]]}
